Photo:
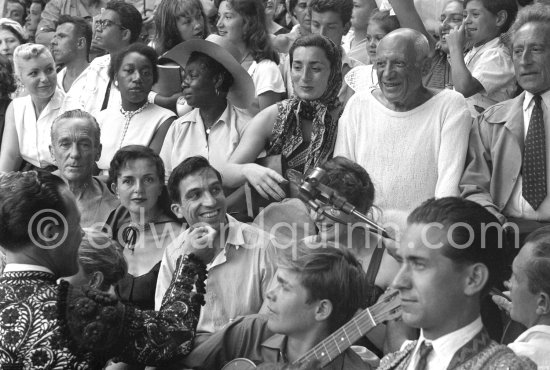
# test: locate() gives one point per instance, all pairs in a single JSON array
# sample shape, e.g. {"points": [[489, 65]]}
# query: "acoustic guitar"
{"points": [[387, 308]]}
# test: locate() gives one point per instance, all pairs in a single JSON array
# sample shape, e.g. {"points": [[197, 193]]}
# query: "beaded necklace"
{"points": [[128, 114]]}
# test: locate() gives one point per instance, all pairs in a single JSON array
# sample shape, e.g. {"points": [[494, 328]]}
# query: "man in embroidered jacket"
{"points": [[46, 325], [450, 257]]}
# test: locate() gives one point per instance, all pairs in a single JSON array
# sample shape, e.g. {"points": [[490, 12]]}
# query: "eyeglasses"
{"points": [[101, 24]]}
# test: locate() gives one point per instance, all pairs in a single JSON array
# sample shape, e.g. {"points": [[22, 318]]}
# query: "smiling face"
{"points": [[74, 148], [451, 18], [531, 56], [431, 284], [138, 186], [330, 229], [8, 43], [230, 23], [64, 44], [202, 199], [481, 25], [289, 311], [398, 70], [135, 79], [38, 76], [375, 33], [310, 72]]}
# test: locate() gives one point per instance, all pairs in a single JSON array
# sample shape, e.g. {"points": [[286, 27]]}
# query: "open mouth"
{"points": [[210, 214]]}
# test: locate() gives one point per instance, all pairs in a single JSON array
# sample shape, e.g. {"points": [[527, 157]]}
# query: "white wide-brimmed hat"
{"points": [[242, 92]]}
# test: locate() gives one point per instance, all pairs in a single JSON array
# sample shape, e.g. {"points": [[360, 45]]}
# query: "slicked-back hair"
{"points": [[537, 267], [188, 167], [495, 6], [146, 51], [81, 27], [472, 228], [329, 273], [343, 7], [129, 17], [22, 196], [78, 114]]}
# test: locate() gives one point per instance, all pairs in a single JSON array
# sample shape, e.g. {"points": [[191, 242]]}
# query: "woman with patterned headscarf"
{"points": [[302, 128]]}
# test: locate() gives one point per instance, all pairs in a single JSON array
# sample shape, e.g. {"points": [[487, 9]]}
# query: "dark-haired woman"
{"points": [[215, 85], [302, 129], [143, 223], [136, 121], [243, 22]]}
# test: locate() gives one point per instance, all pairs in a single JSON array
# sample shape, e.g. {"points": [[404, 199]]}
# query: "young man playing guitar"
{"points": [[316, 293]]}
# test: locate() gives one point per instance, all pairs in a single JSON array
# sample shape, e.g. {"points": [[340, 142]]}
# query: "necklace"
{"points": [[128, 114]]}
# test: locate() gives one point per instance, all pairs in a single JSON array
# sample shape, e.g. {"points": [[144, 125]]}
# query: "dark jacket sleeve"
{"points": [[96, 322]]}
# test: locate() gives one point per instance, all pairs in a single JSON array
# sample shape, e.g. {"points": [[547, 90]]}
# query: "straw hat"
{"points": [[242, 92]]}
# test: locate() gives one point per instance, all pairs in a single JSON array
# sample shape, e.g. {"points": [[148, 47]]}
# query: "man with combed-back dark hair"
{"points": [[45, 324], [450, 258]]}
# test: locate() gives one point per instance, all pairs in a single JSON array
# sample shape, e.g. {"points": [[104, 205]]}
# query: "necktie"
{"points": [[423, 352], [534, 158]]}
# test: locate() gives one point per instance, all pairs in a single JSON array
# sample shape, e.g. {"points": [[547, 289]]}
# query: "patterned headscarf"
{"points": [[288, 131]]}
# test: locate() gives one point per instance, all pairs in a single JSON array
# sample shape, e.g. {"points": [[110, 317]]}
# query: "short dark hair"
{"points": [[187, 167], [81, 27], [22, 196], [329, 273], [343, 7], [146, 51], [475, 230], [495, 6], [99, 252], [214, 67], [537, 268], [129, 17], [351, 181], [7, 77], [78, 113], [385, 20]]}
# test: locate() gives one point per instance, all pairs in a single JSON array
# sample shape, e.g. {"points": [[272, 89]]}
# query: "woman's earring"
{"points": [[116, 83], [217, 91]]}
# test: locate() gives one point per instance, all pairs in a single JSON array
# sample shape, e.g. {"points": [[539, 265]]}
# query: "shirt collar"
{"points": [[235, 238], [447, 345], [528, 100], [195, 117], [488, 45], [19, 267], [277, 342]]}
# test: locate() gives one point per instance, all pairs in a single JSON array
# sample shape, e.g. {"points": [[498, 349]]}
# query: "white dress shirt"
{"points": [[445, 347], [517, 206]]}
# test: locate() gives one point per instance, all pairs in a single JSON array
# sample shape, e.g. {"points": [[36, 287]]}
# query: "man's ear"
{"points": [[177, 209], [502, 17], [113, 188], [323, 310], [81, 43], [96, 281], [543, 304], [126, 35], [476, 278], [51, 152]]}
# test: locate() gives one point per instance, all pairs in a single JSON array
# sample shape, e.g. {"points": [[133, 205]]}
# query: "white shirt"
{"points": [[517, 206], [267, 77], [445, 347], [74, 93], [491, 64], [19, 267], [187, 137], [534, 343], [95, 88]]}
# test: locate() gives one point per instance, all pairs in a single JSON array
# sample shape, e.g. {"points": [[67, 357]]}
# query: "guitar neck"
{"points": [[340, 340]]}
